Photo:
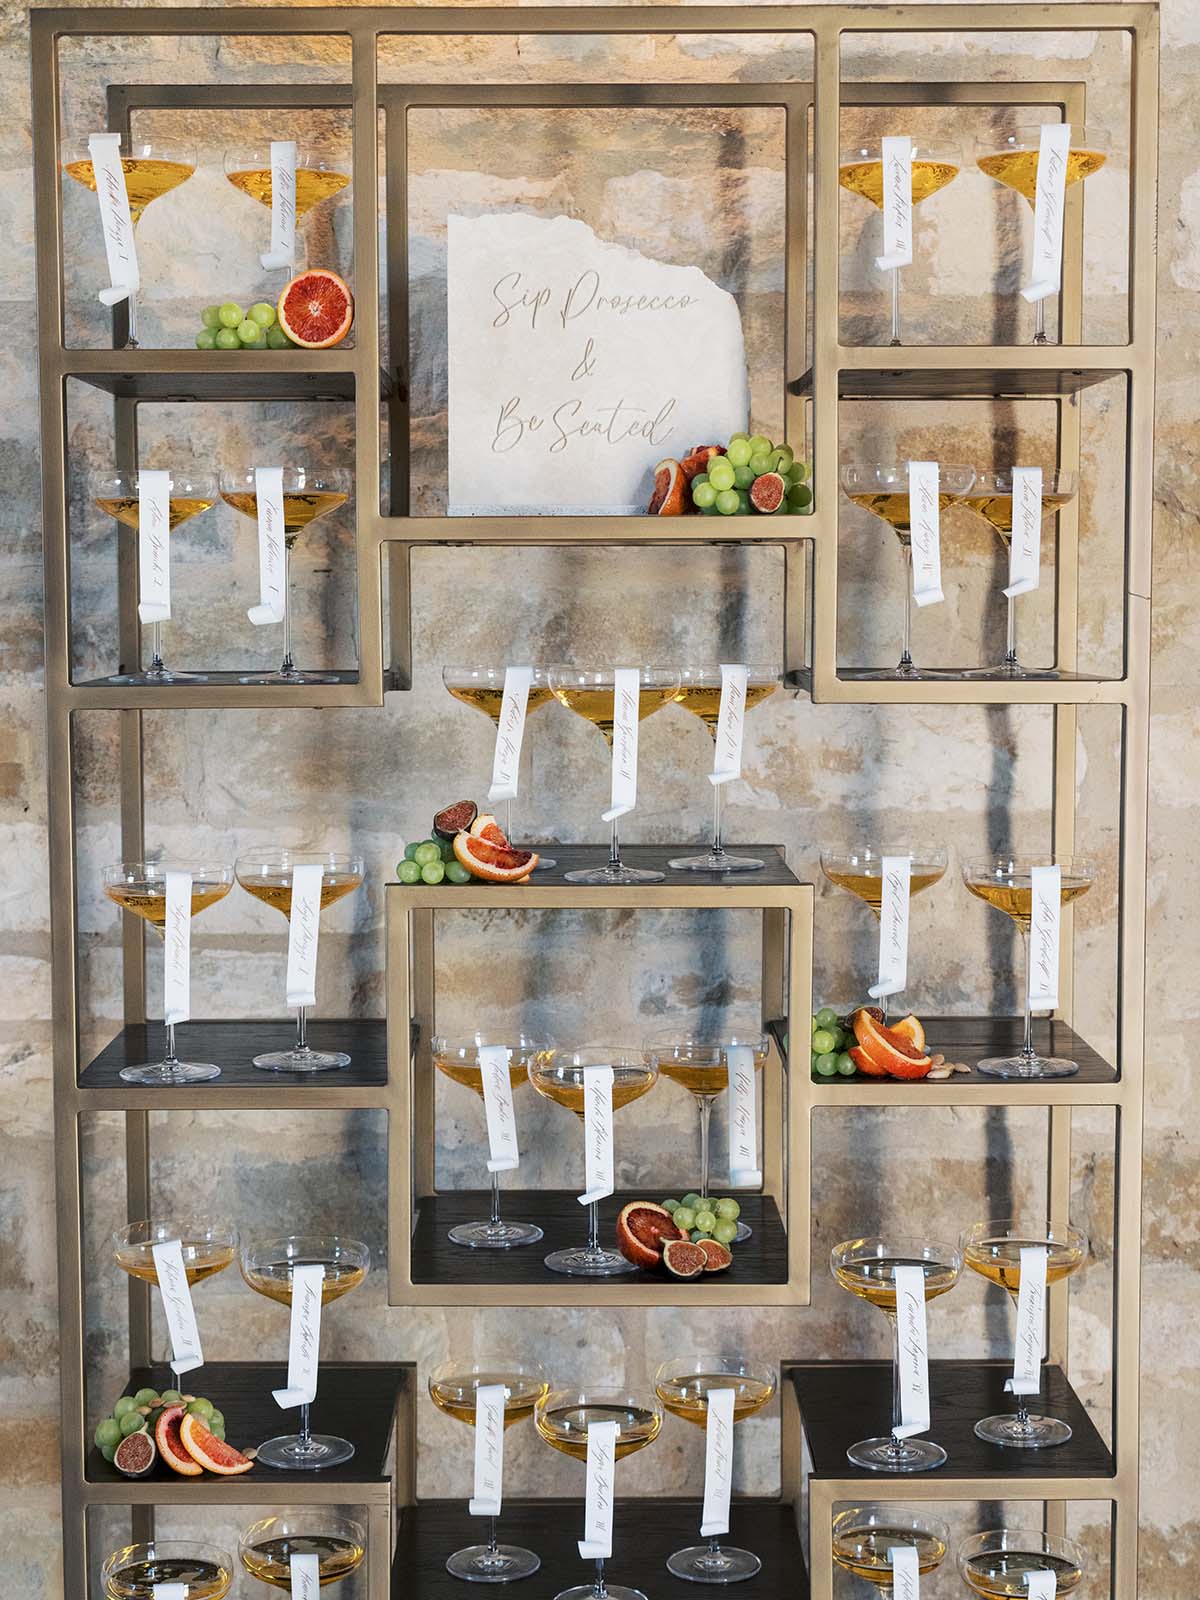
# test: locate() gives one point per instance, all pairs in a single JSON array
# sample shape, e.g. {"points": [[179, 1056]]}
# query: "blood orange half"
{"points": [[493, 862], [316, 309], [209, 1451]]}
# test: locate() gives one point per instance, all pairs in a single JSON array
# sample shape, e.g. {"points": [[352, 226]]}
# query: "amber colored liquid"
{"points": [[565, 1427], [276, 891], [1001, 1574], [149, 899], [893, 508], [1014, 896], [125, 508], [274, 1279], [521, 1395], [200, 1261], [874, 1278], [1018, 169], [701, 1079], [867, 882], [866, 178], [271, 1561], [489, 699], [470, 1074], [596, 705], [300, 507], [629, 1083], [312, 186], [704, 700], [146, 177], [999, 1260], [205, 1580], [687, 1397], [997, 508], [864, 1552]]}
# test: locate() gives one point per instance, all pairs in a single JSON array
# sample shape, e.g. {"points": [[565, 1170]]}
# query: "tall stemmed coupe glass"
{"points": [[268, 875], [267, 1547], [1013, 159], [859, 868], [321, 172], [308, 493], [997, 1564], [141, 888], [865, 1536], [867, 1268], [860, 170], [882, 489], [590, 693], [151, 170], [190, 494], [140, 1571], [700, 693], [482, 688], [1006, 882], [268, 1266]]}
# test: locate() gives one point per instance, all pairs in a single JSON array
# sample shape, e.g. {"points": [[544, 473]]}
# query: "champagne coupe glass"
{"points": [[701, 1066], [997, 1564], [308, 493], [991, 497], [453, 1388], [321, 172], [141, 888], [268, 876], [483, 689], [590, 693], [208, 1246], [993, 1250], [1012, 160], [151, 169], [562, 1419], [1006, 882], [190, 494], [700, 693], [882, 489], [683, 1388], [562, 1077], [135, 1571], [865, 1536], [859, 868], [867, 1268], [268, 1265], [267, 1547], [860, 170], [459, 1060]]}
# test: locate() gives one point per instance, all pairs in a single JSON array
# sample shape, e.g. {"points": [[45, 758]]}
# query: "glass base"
{"points": [[584, 1263], [745, 1231], [1025, 1067], [169, 1073], [611, 875], [1023, 1433], [294, 676], [480, 1564], [147, 680], [292, 1453], [903, 673], [610, 1591], [494, 1236], [715, 861], [896, 1455], [1008, 670], [305, 1060], [700, 1564], [545, 863]]}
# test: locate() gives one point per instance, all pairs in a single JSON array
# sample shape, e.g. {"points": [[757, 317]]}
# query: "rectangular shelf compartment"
{"points": [[983, 382]]}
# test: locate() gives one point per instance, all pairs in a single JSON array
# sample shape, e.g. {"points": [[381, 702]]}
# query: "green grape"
{"points": [[782, 458], [760, 445], [839, 1038], [734, 438], [427, 851], [742, 477], [827, 1065], [703, 494], [108, 1451], [797, 472], [201, 1408], [725, 1232], [446, 846], [826, 1017], [710, 511], [109, 1432], [131, 1422], [720, 473], [171, 1397], [728, 501], [743, 509], [216, 1420], [248, 331], [206, 339], [760, 462], [227, 339], [813, 1058], [670, 1205], [277, 339], [457, 873], [211, 317], [256, 344], [799, 497], [124, 1404], [408, 872], [728, 1210], [433, 872], [146, 1397], [822, 1041], [230, 314], [684, 1217], [845, 1065], [706, 1220], [738, 452], [692, 1200], [698, 1234], [410, 850], [263, 312], [218, 1433]]}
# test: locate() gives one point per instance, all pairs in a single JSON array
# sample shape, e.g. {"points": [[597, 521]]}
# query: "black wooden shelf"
{"points": [[163, 376], [1017, 382], [232, 1046], [214, 680], [774, 874]]}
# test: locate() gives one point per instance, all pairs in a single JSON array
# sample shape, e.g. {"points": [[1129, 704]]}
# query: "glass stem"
{"points": [[1010, 654], [705, 1104], [1039, 322], [614, 851], [714, 1547], [895, 339], [600, 1592], [718, 847], [170, 1059], [1027, 1049], [288, 663], [495, 1200], [906, 659], [156, 660], [508, 820], [131, 340], [1023, 1419], [305, 1431], [897, 1416], [593, 1243], [301, 1032], [492, 1544]]}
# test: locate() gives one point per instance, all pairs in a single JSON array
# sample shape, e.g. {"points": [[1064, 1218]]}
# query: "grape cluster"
{"points": [[830, 1044], [228, 327], [724, 490], [702, 1217], [431, 861], [136, 1413]]}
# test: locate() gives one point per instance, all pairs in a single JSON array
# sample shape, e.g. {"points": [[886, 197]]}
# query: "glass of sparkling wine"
{"points": [[453, 1388], [267, 1547], [135, 1571], [700, 693], [321, 172], [683, 1388], [859, 869], [998, 1564], [208, 1246], [865, 1536], [190, 494], [993, 1250], [1006, 882], [459, 1060], [151, 170], [562, 1419], [268, 1267], [867, 1268], [590, 692], [562, 1077], [140, 887], [268, 876], [482, 688]]}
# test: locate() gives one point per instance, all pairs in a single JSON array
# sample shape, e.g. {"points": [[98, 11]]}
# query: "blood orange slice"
{"points": [[211, 1452], [170, 1445], [493, 862], [486, 827], [316, 309], [670, 497]]}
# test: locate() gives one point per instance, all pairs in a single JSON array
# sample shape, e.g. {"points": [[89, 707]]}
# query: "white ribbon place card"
{"points": [[744, 1172], [1042, 1585], [1031, 1322], [600, 1498], [897, 203], [1048, 207], [186, 1354], [731, 721], [272, 554], [304, 923], [169, 1591], [626, 700], [906, 1572], [489, 1451], [177, 948], [718, 1463], [896, 874], [505, 1156], [1044, 930], [924, 520], [1025, 540], [154, 559], [304, 1339], [510, 733], [305, 1575], [282, 253], [913, 1347], [597, 1134], [115, 218]]}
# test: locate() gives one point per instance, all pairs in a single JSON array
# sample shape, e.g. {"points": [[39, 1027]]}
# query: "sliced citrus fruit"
{"points": [[486, 827], [670, 497], [642, 1230], [910, 1028], [864, 1063], [493, 862], [204, 1447], [170, 1444], [697, 459], [889, 1051], [316, 309]]}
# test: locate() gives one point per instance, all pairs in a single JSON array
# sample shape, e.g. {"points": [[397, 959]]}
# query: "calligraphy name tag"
{"points": [[924, 520], [304, 1340], [1031, 1322], [596, 1544], [913, 1347], [1054, 147], [1025, 540], [897, 203], [283, 206], [510, 733], [1041, 1585], [186, 1354], [169, 1591], [304, 922], [896, 874], [177, 948], [498, 1108], [154, 561], [1044, 933], [727, 753], [305, 1575], [626, 702], [489, 1451], [906, 1572], [115, 217], [744, 1172], [718, 1462], [597, 1134], [272, 550]]}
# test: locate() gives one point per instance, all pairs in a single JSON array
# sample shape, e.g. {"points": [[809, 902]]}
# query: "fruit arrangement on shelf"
{"points": [[687, 1237], [315, 310], [185, 1431], [860, 1043], [465, 845], [749, 474]]}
